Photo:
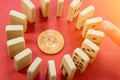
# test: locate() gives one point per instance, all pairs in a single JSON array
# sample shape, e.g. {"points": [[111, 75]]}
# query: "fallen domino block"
{"points": [[90, 48], [68, 67], [93, 23], [112, 31], [95, 36], [15, 46], [60, 7], [80, 59], [74, 9], [44, 5], [23, 59], [51, 70], [34, 69], [13, 31], [17, 18], [84, 15], [29, 10]]}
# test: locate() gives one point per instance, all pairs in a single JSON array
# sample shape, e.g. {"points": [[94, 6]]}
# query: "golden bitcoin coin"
{"points": [[50, 41]]}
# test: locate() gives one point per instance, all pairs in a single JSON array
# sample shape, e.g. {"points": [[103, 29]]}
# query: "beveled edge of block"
{"points": [[14, 27], [17, 14], [67, 60], [96, 32], [74, 3], [94, 20], [22, 54], [87, 10], [36, 62], [29, 4], [52, 68], [15, 41]]}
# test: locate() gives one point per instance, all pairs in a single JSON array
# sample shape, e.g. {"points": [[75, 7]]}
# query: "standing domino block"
{"points": [[15, 46], [74, 9], [60, 7], [23, 59], [68, 67], [95, 36], [34, 69], [51, 70], [17, 18], [84, 15], [93, 23], [13, 31], [29, 10], [90, 48], [80, 59], [44, 5]]}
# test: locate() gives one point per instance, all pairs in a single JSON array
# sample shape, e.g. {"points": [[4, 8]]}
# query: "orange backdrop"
{"points": [[107, 63]]}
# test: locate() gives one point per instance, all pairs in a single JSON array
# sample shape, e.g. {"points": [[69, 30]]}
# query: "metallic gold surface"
{"points": [[50, 41]]}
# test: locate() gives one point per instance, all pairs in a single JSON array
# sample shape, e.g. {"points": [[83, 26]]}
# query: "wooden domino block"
{"points": [[74, 9], [68, 67], [90, 48], [13, 31], [60, 7], [15, 46], [80, 59], [51, 70], [23, 59], [17, 18], [95, 36], [29, 10], [34, 69], [93, 23], [44, 5], [84, 15]]}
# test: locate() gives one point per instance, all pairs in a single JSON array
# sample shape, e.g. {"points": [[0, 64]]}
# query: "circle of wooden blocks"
{"points": [[80, 59], [51, 70], [15, 46], [29, 10], [68, 67], [23, 59], [90, 48], [95, 36], [17, 18], [13, 31], [34, 69]]}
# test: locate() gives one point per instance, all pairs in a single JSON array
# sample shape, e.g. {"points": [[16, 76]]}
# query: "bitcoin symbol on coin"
{"points": [[50, 41]]}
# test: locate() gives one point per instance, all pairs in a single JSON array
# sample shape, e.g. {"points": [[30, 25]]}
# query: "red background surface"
{"points": [[107, 63]]}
